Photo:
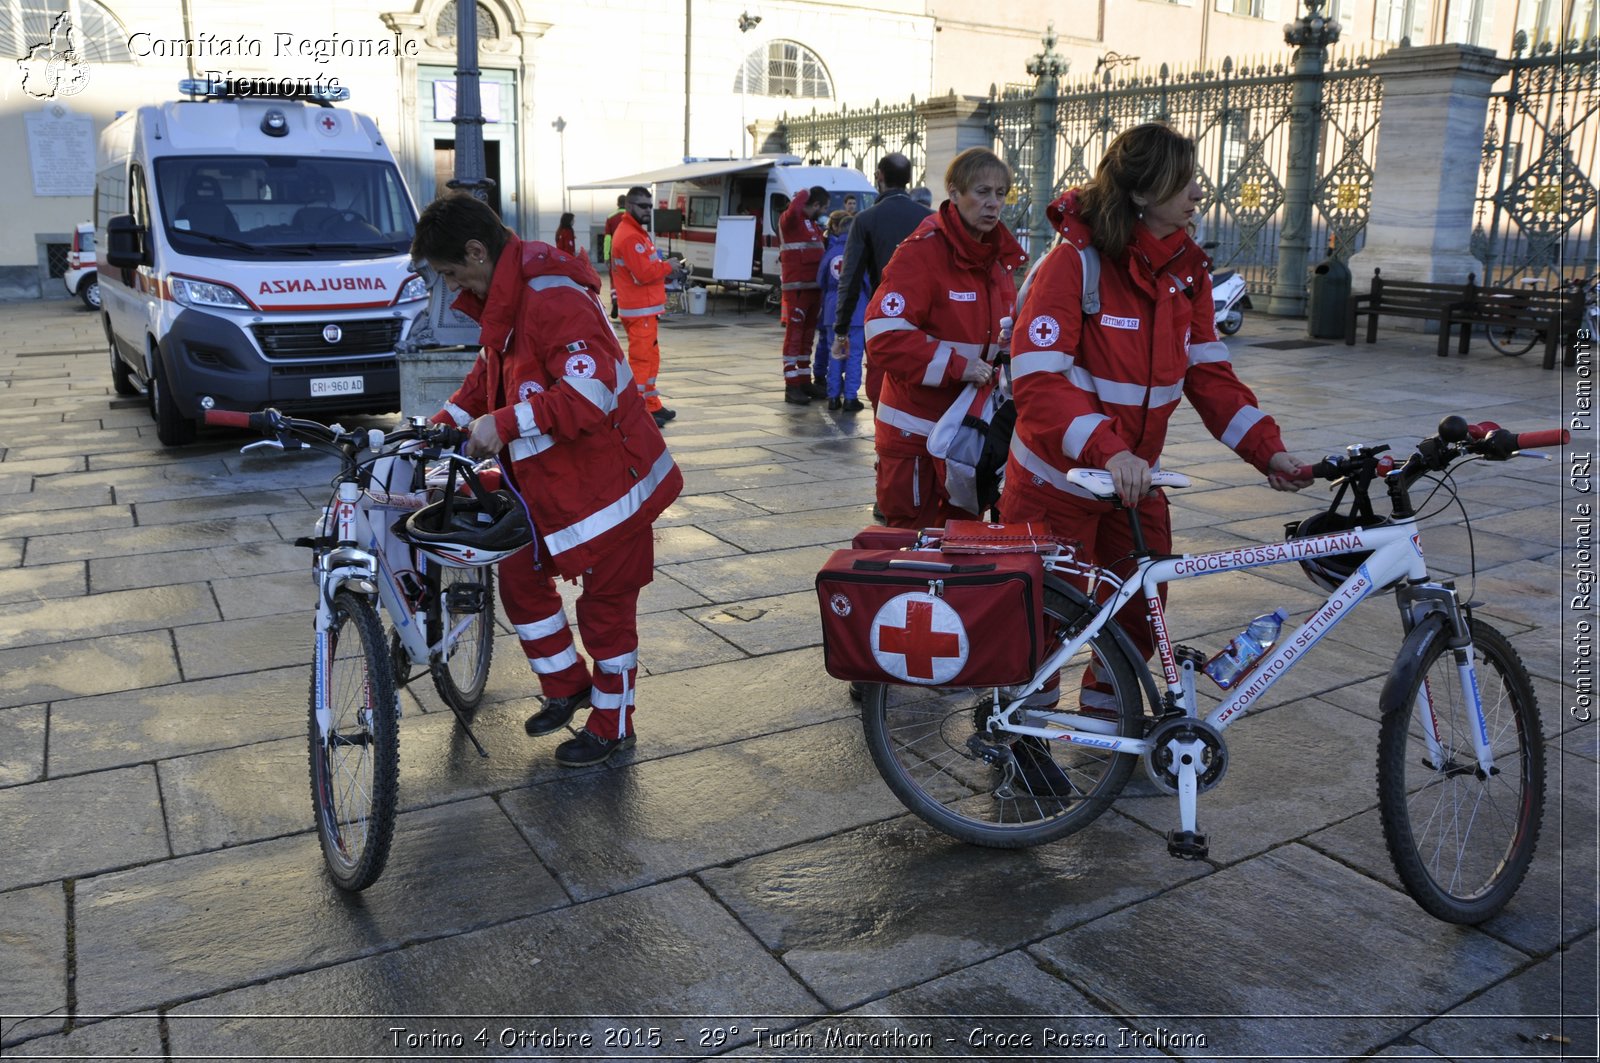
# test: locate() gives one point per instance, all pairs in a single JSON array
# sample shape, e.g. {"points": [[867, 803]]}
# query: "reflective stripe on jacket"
{"points": [[590, 460], [637, 275]]}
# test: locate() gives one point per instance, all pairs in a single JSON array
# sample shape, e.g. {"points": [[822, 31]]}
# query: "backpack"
{"points": [[973, 438]]}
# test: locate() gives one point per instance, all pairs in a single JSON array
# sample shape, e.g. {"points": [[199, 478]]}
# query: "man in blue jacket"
{"points": [[877, 231]]}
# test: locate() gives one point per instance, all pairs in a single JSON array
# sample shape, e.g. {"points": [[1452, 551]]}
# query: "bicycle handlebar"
{"points": [[1456, 436], [271, 422]]}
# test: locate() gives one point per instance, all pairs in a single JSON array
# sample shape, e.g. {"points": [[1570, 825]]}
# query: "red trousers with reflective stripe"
{"points": [[911, 492], [644, 357], [607, 610], [800, 309]]}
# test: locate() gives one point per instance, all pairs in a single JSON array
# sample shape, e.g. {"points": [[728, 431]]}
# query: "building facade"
{"points": [[584, 89]]}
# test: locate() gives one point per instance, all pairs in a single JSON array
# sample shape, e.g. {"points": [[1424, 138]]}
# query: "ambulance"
{"points": [[255, 251], [690, 199]]}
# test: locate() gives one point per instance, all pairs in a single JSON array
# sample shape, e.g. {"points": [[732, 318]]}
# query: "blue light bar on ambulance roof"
{"points": [[317, 89]]}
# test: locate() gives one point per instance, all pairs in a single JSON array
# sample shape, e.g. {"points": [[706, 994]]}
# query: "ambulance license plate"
{"points": [[322, 387]]}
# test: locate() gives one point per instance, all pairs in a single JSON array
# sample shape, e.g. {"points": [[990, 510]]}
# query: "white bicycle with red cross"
{"points": [[1460, 768]]}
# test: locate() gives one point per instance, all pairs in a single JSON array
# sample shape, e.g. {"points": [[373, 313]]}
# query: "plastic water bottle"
{"points": [[1246, 651]]}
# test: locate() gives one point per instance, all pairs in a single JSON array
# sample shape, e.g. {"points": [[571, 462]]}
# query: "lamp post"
{"points": [[468, 118], [747, 22], [1310, 34], [560, 126]]}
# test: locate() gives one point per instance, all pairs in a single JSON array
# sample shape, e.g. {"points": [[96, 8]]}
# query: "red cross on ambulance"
{"points": [[917, 638]]}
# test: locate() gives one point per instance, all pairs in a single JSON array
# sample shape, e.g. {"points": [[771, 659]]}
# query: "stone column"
{"points": [[1310, 34], [954, 124], [1430, 144]]}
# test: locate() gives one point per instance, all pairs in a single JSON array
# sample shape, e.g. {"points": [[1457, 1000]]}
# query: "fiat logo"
{"points": [[332, 333]]}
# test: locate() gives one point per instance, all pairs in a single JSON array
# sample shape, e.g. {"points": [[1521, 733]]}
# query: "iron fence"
{"points": [[1536, 206], [859, 137]]}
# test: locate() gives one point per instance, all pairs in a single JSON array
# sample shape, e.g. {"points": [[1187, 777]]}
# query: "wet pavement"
{"points": [[742, 882]]}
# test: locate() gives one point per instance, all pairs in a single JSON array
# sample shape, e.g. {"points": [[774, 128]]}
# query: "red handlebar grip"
{"points": [[1304, 472], [228, 418], [1550, 437], [1480, 431]]}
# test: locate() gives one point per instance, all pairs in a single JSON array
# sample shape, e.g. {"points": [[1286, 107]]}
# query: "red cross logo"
{"points": [[919, 638], [329, 124]]}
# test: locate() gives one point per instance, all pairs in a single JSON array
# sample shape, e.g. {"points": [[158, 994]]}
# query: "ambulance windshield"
{"points": [[242, 206]]}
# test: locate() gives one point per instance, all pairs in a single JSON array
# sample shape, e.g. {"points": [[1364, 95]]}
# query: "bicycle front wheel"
{"points": [[1512, 340], [938, 752], [355, 762], [1461, 842], [461, 601]]}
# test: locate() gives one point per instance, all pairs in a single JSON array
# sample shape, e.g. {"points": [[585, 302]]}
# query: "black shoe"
{"points": [[589, 748], [662, 416], [799, 396], [557, 713], [1037, 770], [816, 391], [853, 406], [858, 691], [835, 402]]}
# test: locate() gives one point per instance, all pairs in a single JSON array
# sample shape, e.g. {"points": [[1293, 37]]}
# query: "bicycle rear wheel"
{"points": [[355, 765], [461, 669], [1462, 843], [929, 744], [1512, 340]]}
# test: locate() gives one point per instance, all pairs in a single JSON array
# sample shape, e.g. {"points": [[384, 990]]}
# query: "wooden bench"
{"points": [[1468, 304]]}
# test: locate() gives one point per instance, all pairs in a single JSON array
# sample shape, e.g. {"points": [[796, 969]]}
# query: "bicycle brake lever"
{"points": [[269, 444], [1539, 454]]}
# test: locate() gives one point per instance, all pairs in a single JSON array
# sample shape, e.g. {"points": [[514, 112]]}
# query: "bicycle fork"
{"points": [[1459, 641]]}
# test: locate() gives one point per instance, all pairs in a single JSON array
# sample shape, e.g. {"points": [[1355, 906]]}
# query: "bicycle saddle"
{"points": [[1098, 482]]}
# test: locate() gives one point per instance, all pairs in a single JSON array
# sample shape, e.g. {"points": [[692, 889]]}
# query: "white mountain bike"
{"points": [[441, 615], [1460, 756]]}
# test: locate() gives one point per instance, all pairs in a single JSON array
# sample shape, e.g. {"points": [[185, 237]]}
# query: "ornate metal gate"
{"points": [[859, 137], [1536, 211]]}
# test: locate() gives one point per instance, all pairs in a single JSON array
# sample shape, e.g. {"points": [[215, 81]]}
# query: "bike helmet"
{"points": [[1329, 571], [479, 527]]}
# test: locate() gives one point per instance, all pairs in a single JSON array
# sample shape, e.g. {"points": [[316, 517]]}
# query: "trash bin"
{"points": [[1330, 294], [697, 300]]}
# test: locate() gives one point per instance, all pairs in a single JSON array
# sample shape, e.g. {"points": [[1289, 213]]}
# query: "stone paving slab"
{"points": [[200, 924], [844, 486], [688, 509], [22, 742], [88, 666], [1005, 1008], [43, 583], [81, 825], [1234, 986], [576, 971], [894, 904], [188, 566], [228, 647], [671, 642], [699, 482], [678, 544], [33, 962], [155, 723], [765, 625], [194, 535], [1516, 1019], [129, 1037], [746, 576], [685, 813], [23, 520], [810, 528], [47, 622], [1556, 902]]}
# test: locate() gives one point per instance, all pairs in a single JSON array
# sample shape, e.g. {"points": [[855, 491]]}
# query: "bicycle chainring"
{"points": [[1161, 762]]}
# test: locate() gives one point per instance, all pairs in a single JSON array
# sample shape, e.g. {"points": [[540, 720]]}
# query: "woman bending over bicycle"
{"points": [[1096, 386], [551, 396]]}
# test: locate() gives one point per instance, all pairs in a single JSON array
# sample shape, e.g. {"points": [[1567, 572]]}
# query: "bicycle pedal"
{"points": [[1187, 845], [465, 598]]}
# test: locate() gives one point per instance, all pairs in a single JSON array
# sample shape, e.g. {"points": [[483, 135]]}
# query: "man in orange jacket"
{"points": [[799, 255], [639, 277]]}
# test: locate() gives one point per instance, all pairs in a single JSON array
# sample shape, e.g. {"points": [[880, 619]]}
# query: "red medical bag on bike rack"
{"points": [[881, 537], [927, 618]]}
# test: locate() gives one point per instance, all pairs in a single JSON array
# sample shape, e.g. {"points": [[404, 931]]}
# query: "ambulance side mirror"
{"points": [[125, 243]]}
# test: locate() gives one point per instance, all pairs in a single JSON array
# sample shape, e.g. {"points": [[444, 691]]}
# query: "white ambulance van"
{"points": [[255, 251], [700, 191]]}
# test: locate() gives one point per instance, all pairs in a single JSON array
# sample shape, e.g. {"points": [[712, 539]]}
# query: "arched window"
{"points": [[784, 68], [445, 28], [29, 23]]}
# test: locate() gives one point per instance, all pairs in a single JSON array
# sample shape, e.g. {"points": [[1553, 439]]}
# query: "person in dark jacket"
{"points": [[876, 232]]}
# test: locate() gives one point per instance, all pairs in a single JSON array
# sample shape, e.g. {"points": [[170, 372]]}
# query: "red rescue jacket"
{"points": [[938, 307], [801, 244], [589, 460], [1088, 388], [637, 276]]}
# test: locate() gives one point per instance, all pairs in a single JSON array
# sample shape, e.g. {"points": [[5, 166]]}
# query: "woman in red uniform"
{"points": [[934, 325], [1097, 391]]}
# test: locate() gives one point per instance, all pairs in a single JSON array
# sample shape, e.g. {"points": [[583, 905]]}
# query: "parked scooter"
{"points": [[1232, 300]]}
